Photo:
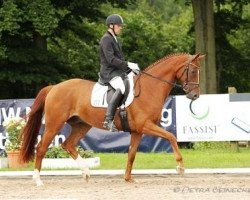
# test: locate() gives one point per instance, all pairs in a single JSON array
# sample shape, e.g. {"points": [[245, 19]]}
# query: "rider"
{"points": [[113, 67]]}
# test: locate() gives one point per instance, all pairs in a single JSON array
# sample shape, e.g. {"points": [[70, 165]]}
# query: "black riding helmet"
{"points": [[114, 19]]}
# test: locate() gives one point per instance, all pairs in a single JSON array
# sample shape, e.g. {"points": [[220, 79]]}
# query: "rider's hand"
{"points": [[134, 67], [136, 71]]}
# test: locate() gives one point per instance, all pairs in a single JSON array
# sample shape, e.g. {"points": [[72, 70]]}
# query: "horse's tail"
{"points": [[31, 129]]}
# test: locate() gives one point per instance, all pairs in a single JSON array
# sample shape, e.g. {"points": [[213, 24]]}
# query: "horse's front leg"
{"points": [[152, 129], [134, 143]]}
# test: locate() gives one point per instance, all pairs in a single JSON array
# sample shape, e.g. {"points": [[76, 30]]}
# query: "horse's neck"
{"points": [[165, 72], [167, 68], [162, 71], [155, 88]]}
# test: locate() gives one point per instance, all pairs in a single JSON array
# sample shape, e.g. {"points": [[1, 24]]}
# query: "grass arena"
{"points": [[147, 186]]}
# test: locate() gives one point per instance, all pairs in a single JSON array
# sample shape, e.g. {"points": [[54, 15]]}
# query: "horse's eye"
{"points": [[193, 71]]}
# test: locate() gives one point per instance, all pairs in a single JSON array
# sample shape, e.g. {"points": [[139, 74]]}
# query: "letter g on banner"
{"points": [[166, 117]]}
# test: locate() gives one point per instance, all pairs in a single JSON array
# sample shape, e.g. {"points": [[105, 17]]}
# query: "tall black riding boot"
{"points": [[110, 113]]}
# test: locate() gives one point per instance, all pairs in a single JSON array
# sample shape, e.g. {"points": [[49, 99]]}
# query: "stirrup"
{"points": [[109, 125]]}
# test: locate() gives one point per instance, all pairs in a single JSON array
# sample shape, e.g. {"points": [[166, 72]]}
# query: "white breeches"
{"points": [[117, 83]]}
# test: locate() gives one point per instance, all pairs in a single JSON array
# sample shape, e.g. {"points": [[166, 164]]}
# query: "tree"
{"points": [[44, 42], [227, 17], [232, 61], [31, 32], [205, 43]]}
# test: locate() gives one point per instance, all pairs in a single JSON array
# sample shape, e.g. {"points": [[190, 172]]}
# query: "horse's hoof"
{"points": [[86, 177], [39, 183], [180, 170], [130, 180]]}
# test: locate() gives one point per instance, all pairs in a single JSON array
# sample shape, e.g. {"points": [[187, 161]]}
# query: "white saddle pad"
{"points": [[99, 94]]}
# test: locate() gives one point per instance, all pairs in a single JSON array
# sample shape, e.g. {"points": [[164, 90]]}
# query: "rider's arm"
{"points": [[108, 51]]}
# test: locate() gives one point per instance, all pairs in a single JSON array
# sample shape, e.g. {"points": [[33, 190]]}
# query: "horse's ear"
{"points": [[198, 56]]}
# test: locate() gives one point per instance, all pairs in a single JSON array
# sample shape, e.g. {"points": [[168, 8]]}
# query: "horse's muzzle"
{"points": [[192, 95]]}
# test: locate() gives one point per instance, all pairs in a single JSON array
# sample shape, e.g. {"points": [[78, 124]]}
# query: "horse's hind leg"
{"points": [[41, 149], [134, 143], [78, 131]]}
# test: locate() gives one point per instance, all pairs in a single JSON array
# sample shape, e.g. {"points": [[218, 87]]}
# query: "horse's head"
{"points": [[188, 75]]}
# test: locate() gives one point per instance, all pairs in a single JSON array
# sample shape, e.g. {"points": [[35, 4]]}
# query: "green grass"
{"points": [[216, 159], [142, 161], [192, 159]]}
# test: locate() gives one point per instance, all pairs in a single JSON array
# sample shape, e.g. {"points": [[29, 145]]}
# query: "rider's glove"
{"points": [[134, 67]]}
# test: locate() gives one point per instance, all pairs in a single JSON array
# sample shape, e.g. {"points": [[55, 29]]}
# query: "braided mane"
{"points": [[163, 59]]}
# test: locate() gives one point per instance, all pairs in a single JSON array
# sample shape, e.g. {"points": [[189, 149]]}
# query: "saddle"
{"points": [[102, 93]]}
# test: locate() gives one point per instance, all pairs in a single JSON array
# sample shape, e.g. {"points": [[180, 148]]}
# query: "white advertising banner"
{"points": [[218, 117]]}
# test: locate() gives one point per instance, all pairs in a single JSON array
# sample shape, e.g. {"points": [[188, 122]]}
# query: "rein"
{"points": [[160, 79], [154, 77], [174, 84]]}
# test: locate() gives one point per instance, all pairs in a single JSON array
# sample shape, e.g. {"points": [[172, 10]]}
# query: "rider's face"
{"points": [[117, 28]]}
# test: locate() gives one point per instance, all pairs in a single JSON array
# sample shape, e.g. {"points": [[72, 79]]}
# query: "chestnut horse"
{"points": [[69, 101]]}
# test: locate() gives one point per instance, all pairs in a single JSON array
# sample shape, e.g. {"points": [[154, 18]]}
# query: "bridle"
{"points": [[186, 84]]}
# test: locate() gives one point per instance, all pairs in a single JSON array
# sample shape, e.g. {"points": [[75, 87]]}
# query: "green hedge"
{"points": [[59, 152]]}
